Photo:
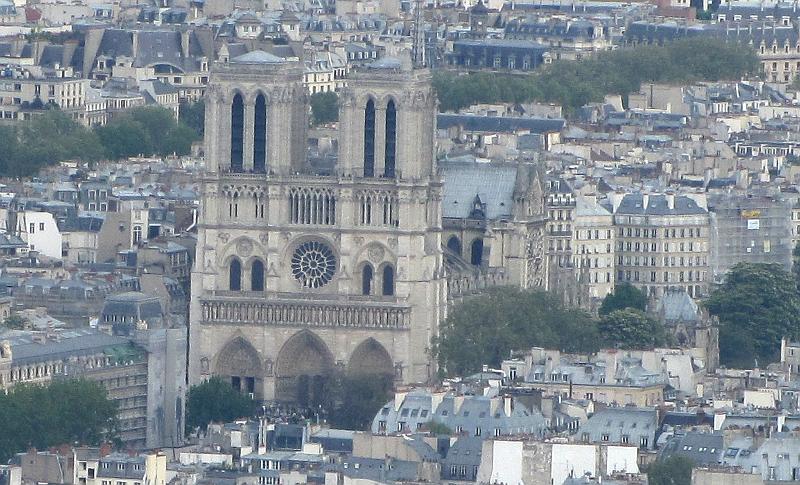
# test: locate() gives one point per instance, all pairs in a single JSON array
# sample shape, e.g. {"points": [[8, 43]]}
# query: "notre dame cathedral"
{"points": [[300, 275]]}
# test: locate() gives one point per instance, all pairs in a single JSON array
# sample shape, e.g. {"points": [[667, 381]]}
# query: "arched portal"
{"points": [[239, 363], [303, 368], [370, 358]]}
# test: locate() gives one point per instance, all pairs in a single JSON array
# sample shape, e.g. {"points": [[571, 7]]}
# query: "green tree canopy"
{"points": [[193, 115], [149, 130], [64, 411], [324, 108], [625, 295], [15, 322], [630, 328], [357, 399], [675, 470], [215, 400], [757, 305], [576, 83], [484, 329]]}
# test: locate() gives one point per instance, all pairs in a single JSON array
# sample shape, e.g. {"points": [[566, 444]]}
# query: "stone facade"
{"points": [[301, 273]]}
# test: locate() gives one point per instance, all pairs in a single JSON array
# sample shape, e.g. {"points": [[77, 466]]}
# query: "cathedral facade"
{"points": [[301, 274]]}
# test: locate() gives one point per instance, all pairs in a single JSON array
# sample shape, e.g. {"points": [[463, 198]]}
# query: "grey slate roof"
{"points": [[258, 57], [677, 306], [621, 425], [633, 204], [492, 182], [701, 448]]}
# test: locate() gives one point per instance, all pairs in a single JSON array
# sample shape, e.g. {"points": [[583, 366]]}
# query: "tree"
{"points": [[625, 295], [64, 411], [575, 83], [193, 115], [630, 328], [437, 428], [15, 322], [358, 398], [485, 329], [215, 400], [757, 305], [675, 470], [324, 108]]}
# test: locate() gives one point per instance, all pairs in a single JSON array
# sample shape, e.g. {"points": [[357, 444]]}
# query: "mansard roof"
{"points": [[258, 57]]}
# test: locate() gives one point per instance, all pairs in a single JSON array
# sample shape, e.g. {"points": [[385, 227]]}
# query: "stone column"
{"points": [[249, 134]]}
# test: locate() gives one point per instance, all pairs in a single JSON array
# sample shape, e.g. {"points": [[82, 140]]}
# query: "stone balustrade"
{"points": [[388, 316]]}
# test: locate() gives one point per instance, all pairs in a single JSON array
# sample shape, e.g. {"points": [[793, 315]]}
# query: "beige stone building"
{"points": [[593, 246], [301, 275], [662, 242]]}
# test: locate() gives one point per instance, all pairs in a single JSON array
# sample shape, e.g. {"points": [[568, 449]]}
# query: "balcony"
{"points": [[348, 312]]}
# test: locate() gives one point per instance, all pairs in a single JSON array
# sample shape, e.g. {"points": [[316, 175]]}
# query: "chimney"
{"points": [[185, 44], [645, 200], [135, 48], [508, 404], [262, 435], [670, 200]]}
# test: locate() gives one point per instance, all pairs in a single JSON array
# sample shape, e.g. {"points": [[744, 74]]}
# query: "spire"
{"points": [[418, 48]]}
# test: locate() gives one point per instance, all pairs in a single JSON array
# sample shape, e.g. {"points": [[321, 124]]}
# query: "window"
{"points": [[390, 151], [237, 133], [366, 279], [257, 276], [235, 275], [32, 228], [260, 135], [604, 437], [369, 139], [137, 234], [388, 280]]}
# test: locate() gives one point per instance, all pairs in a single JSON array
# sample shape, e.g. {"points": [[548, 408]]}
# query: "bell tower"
{"points": [[301, 276]]}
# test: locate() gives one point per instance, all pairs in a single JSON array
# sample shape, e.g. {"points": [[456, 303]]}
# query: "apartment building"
{"points": [[23, 91], [662, 241], [593, 246]]}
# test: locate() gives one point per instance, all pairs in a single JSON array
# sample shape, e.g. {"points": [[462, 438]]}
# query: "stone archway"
{"points": [[303, 369], [240, 363], [370, 358]]}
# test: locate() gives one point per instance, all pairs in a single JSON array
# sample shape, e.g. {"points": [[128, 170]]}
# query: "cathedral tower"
{"points": [[300, 276]]}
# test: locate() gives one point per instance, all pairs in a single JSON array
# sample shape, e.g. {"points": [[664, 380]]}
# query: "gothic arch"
{"points": [[260, 117], [369, 137], [237, 132], [476, 251], [454, 244], [240, 363], [234, 267], [390, 140], [302, 369], [370, 358], [258, 273]]}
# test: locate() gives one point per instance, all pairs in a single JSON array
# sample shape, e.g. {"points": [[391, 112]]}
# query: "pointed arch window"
{"points": [[257, 276], [260, 135], [369, 139], [388, 280], [390, 153], [366, 279], [454, 244], [237, 133], [235, 275], [476, 255]]}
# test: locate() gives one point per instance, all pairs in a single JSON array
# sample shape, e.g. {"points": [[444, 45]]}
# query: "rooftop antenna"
{"points": [[418, 47]]}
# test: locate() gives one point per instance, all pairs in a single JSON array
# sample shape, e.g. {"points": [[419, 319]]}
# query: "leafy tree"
{"points": [[324, 108], [796, 265], [215, 400], [358, 398], [630, 328], [484, 329], [625, 295], [125, 137], [675, 470], [193, 115], [64, 411], [15, 322], [437, 428], [757, 305], [149, 130], [575, 83]]}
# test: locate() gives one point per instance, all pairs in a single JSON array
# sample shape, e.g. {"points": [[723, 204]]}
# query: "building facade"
{"points": [[299, 275]]}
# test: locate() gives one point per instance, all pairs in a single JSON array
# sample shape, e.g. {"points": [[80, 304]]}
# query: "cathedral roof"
{"points": [[492, 182], [258, 57]]}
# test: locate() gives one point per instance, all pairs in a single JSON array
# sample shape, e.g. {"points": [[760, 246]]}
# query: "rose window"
{"points": [[313, 264]]}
